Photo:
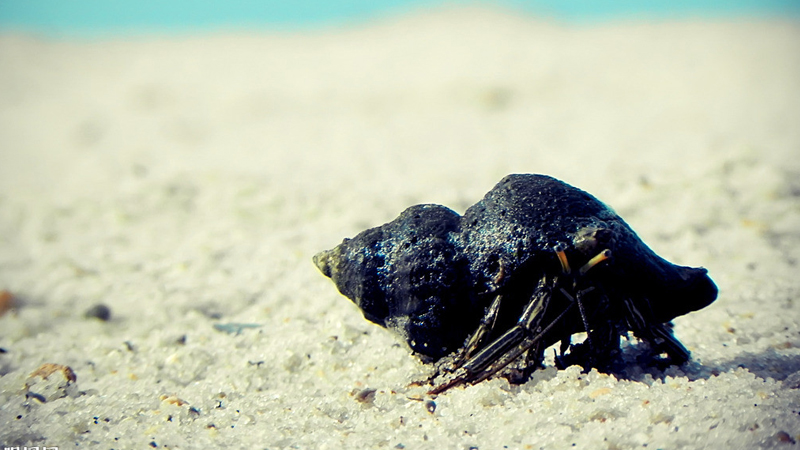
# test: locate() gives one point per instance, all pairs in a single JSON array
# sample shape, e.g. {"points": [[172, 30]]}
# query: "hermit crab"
{"points": [[530, 265]]}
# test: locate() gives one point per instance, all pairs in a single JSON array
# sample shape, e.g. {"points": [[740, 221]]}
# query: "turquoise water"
{"points": [[93, 17]]}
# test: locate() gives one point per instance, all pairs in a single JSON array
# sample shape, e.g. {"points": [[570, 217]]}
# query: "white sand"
{"points": [[187, 182]]}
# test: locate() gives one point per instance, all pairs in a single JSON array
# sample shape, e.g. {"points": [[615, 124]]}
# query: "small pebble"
{"points": [[784, 437], [6, 302], [99, 311], [234, 327], [366, 396], [430, 405], [50, 382]]}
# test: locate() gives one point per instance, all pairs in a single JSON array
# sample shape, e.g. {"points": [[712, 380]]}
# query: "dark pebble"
{"points": [[99, 311]]}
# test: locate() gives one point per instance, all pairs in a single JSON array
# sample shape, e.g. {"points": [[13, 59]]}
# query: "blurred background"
{"points": [[180, 162], [102, 17]]}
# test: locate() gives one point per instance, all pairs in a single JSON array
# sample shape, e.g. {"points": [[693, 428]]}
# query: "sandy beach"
{"points": [[186, 182]]}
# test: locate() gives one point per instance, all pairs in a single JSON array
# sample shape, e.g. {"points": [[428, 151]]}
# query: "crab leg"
{"points": [[475, 340], [582, 310], [527, 342], [664, 339], [523, 336], [660, 336], [493, 363], [534, 311], [508, 347], [486, 326], [597, 259]]}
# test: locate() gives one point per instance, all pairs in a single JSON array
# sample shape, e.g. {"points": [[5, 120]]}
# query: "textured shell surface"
{"points": [[431, 274]]}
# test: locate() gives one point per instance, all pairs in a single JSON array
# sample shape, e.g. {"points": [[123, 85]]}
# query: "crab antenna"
{"points": [[562, 258], [597, 259]]}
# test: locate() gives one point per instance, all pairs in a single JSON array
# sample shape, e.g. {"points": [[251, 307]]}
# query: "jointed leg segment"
{"points": [[658, 334], [526, 335], [483, 330]]}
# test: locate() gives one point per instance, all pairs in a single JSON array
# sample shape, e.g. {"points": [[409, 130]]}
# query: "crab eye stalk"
{"points": [[597, 259]]}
